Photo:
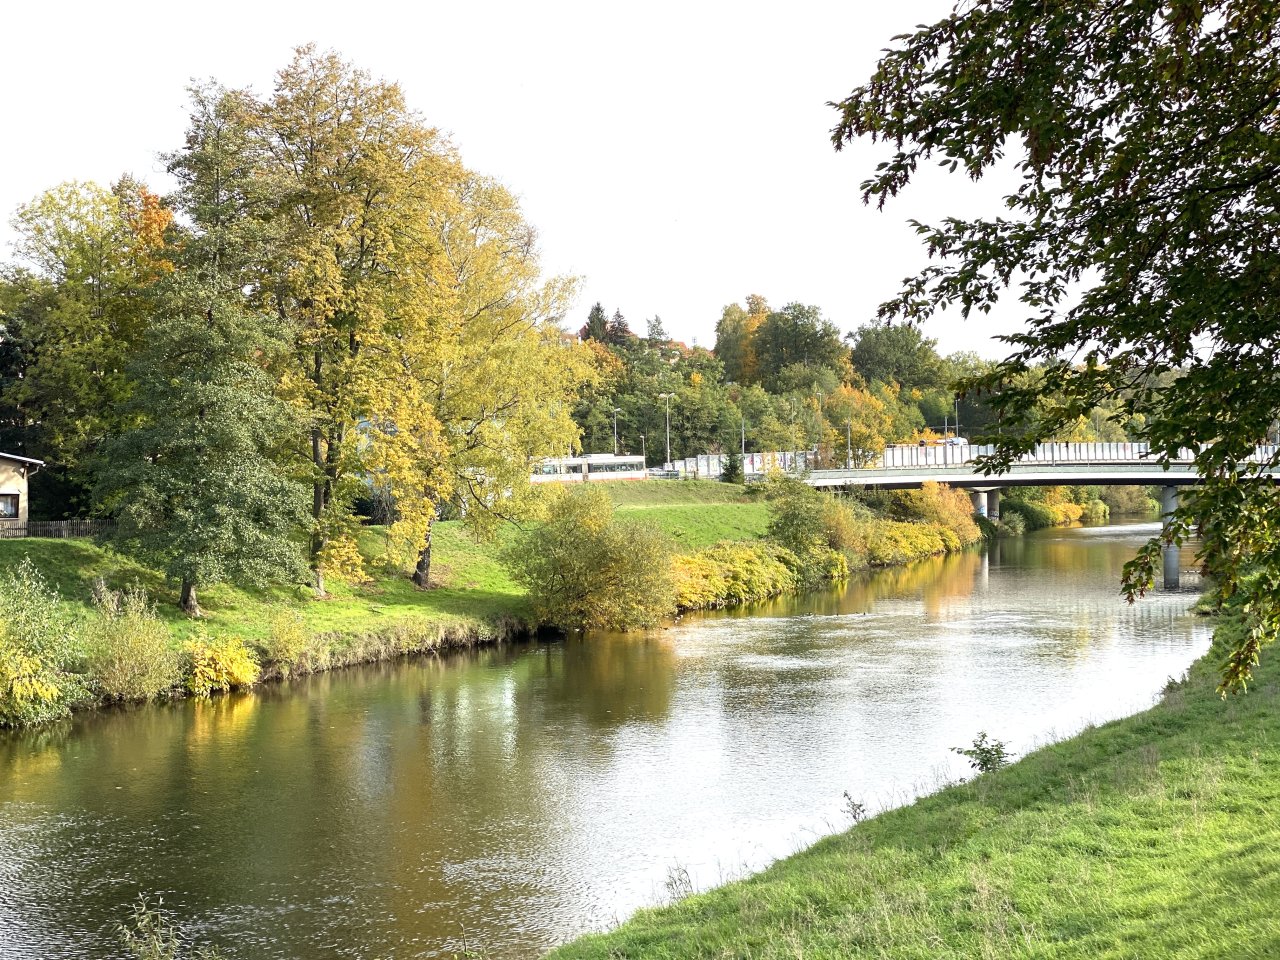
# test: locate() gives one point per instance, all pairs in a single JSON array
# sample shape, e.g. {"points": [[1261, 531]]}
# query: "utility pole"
{"points": [[744, 436], [644, 454], [848, 444], [615, 431], [667, 397]]}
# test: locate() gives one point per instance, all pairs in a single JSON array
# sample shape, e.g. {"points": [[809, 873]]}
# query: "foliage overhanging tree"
{"points": [[1142, 239]]}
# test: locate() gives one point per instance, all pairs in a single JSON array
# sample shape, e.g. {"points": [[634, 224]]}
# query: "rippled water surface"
{"points": [[508, 800]]}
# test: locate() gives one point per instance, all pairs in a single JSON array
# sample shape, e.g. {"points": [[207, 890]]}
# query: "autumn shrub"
{"points": [[41, 654], [898, 541], [287, 647], [129, 651], [816, 528], [1129, 500], [584, 569], [211, 666], [733, 573], [949, 508], [1096, 511]]}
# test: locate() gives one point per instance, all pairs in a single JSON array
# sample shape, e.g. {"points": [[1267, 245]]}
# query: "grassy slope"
{"points": [[1153, 836], [694, 513], [473, 584]]}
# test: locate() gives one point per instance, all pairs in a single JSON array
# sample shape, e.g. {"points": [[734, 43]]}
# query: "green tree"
{"points": [[192, 482], [733, 342], [1142, 239], [796, 334], [896, 353], [655, 332], [597, 325]]}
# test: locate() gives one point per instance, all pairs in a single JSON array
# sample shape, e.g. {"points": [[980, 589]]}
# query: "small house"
{"points": [[14, 474]]}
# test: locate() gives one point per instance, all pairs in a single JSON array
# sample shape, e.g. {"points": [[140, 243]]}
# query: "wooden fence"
{"points": [[58, 529]]}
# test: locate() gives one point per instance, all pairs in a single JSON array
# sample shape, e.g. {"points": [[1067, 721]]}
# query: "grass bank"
{"points": [[1152, 836]]}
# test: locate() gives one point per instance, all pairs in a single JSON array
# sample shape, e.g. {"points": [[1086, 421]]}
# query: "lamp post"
{"points": [[848, 444], [644, 454], [667, 397], [615, 431]]}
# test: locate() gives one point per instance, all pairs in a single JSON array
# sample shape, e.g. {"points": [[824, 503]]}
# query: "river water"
{"points": [[507, 800]]}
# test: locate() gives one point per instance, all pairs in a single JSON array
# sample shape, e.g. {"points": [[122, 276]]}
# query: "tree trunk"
{"points": [[187, 601], [422, 570]]}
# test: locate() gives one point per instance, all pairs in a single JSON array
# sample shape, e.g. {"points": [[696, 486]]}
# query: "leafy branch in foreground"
{"points": [[1142, 239]]}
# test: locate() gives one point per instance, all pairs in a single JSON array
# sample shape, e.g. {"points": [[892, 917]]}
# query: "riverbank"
{"points": [[1151, 836], [473, 601]]}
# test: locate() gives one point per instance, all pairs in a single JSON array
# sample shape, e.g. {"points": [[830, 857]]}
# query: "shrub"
{"points": [[733, 573], [129, 650], [985, 755], [149, 935], [1035, 516], [287, 647], [583, 569], [218, 665], [39, 651], [896, 541], [815, 527], [1095, 511], [1012, 524], [945, 506], [1131, 501]]}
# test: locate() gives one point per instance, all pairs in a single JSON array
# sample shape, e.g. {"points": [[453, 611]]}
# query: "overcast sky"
{"points": [[674, 155]]}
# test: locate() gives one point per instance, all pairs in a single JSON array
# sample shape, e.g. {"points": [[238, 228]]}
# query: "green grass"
{"points": [[473, 588], [694, 513], [1156, 836]]}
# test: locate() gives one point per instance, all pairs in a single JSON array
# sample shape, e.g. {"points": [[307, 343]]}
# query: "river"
{"points": [[506, 800]]}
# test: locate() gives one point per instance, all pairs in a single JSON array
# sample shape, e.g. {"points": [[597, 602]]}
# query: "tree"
{"points": [[656, 333], [193, 482], [495, 382], [597, 325], [796, 334], [76, 310], [1142, 239], [896, 353], [355, 173], [733, 342]]}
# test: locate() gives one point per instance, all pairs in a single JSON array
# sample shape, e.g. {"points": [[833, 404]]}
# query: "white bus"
{"points": [[592, 466]]}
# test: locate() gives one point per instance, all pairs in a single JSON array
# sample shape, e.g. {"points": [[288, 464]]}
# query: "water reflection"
{"points": [[515, 797]]}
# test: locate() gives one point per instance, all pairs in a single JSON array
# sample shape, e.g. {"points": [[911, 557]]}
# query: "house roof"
{"points": [[14, 456]]}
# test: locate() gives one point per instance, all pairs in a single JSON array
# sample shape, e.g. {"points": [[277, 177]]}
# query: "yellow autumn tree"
{"points": [[493, 370]]}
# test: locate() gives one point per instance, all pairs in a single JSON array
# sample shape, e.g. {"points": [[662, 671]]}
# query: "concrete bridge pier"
{"points": [[1172, 553], [986, 503]]}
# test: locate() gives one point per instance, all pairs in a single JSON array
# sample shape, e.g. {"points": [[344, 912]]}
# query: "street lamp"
{"points": [[667, 397], [848, 444], [615, 431], [644, 454]]}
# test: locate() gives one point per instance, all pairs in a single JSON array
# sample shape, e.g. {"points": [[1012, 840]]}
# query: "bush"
{"points": [[130, 653], [815, 527], [949, 508], [733, 573], [39, 651], [1095, 511], [731, 472], [149, 935], [287, 647], [218, 665], [896, 541], [583, 569], [1034, 516], [1129, 501]]}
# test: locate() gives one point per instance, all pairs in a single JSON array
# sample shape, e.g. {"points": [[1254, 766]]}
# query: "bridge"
{"points": [[1049, 464]]}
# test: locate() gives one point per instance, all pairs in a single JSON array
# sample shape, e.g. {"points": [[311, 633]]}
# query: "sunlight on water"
{"points": [[508, 800]]}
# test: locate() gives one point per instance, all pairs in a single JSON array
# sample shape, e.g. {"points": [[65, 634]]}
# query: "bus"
{"points": [[592, 466]]}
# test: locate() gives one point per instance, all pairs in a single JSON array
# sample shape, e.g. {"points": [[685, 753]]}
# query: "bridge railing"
{"points": [[955, 455]]}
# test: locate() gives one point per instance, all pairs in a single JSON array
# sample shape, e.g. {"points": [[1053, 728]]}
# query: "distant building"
{"points": [[14, 473]]}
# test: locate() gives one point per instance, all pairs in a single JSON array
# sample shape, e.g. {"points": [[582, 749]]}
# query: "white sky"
{"points": [[674, 155]]}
